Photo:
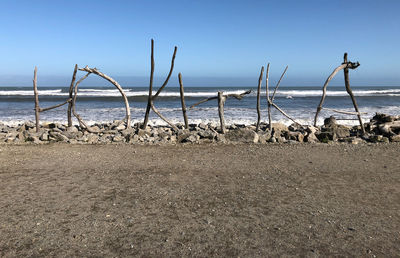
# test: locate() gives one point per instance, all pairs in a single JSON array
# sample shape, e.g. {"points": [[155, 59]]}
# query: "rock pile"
{"points": [[381, 128]]}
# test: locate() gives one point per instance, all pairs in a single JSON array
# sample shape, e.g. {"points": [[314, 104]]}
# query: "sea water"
{"points": [[105, 104]]}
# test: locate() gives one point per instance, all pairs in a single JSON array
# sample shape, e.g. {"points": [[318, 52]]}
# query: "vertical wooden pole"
{"points": [[221, 102], [258, 98], [183, 101], [71, 90], [268, 100], [35, 92], [350, 92], [149, 101]]}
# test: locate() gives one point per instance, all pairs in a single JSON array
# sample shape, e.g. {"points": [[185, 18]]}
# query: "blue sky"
{"points": [[219, 42]]}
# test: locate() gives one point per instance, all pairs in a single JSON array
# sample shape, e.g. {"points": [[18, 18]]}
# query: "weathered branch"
{"points": [[116, 84], [169, 75], [268, 100], [279, 82], [149, 102], [182, 94], [236, 96], [348, 89], [258, 98], [71, 90], [35, 92], [283, 113], [55, 106], [330, 77], [80, 120], [344, 112], [163, 118], [221, 102]]}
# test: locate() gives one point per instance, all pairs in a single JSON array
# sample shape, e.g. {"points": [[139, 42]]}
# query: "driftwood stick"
{"points": [[116, 84], [35, 92], [163, 118], [279, 82], [149, 102], [80, 120], [236, 96], [221, 102], [344, 112], [183, 101], [350, 92], [55, 106], [169, 75], [258, 98], [268, 100], [71, 90], [283, 113], [330, 77]]}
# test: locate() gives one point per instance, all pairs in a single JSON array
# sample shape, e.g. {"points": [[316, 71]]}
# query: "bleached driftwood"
{"points": [[258, 98], [344, 112], [349, 91], [70, 93], [80, 120], [236, 96], [271, 100], [38, 109], [35, 92], [346, 65], [116, 84], [221, 103], [267, 95], [182, 94], [150, 99]]}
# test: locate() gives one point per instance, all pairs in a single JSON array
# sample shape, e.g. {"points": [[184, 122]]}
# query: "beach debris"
{"points": [[345, 66]]}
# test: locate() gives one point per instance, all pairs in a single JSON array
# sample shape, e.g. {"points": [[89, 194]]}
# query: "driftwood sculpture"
{"points": [[270, 101], [221, 102], [108, 78], [150, 102], [346, 65], [37, 106]]}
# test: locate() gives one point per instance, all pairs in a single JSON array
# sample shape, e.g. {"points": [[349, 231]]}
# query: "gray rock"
{"points": [[58, 136], [242, 135], [207, 134], [44, 136], [280, 127], [92, 138], [118, 138], [311, 138], [143, 132], [203, 126], [395, 138], [72, 129], [330, 121], [264, 137], [95, 129]]}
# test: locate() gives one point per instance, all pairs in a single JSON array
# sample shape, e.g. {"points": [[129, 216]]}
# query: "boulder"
{"points": [[242, 135]]}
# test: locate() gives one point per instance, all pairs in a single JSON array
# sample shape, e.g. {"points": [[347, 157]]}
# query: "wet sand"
{"points": [[200, 200]]}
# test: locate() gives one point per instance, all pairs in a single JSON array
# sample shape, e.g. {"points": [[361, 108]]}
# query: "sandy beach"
{"points": [[200, 200]]}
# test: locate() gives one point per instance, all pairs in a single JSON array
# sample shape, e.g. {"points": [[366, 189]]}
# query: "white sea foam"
{"points": [[137, 93]]}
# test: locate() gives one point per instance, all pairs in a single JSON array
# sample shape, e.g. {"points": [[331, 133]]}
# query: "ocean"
{"points": [[105, 104]]}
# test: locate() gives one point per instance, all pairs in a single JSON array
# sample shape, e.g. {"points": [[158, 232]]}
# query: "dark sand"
{"points": [[199, 200]]}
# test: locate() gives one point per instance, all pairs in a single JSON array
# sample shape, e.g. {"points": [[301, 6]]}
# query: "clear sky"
{"points": [[219, 42]]}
